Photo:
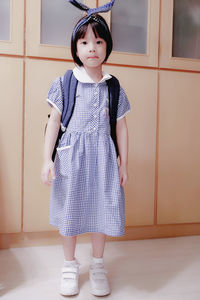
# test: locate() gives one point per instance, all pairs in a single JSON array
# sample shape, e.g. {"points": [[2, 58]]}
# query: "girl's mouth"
{"points": [[92, 57]]}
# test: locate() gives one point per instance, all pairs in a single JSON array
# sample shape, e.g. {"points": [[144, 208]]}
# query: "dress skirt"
{"points": [[86, 195]]}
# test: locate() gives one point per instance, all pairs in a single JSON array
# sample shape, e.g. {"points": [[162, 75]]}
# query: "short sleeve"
{"points": [[55, 95], [123, 105]]}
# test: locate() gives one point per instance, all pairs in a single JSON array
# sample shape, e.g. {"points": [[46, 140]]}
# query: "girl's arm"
{"points": [[49, 143], [122, 141]]}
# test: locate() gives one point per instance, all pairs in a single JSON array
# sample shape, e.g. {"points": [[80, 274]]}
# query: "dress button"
{"points": [[95, 93], [94, 128], [95, 104], [95, 116]]}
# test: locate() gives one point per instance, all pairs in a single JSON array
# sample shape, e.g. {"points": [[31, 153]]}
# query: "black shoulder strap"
{"points": [[114, 91], [69, 93]]}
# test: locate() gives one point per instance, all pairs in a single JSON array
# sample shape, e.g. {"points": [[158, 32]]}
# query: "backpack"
{"points": [[69, 96]]}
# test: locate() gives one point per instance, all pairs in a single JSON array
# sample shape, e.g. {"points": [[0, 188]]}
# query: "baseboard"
{"points": [[31, 239]]}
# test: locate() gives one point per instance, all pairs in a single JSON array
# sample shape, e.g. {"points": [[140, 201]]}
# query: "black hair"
{"points": [[100, 29]]}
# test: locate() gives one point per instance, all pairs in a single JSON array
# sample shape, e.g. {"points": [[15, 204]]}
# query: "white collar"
{"points": [[82, 76]]}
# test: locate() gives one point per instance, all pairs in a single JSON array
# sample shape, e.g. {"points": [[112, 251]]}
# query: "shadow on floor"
{"points": [[11, 272]]}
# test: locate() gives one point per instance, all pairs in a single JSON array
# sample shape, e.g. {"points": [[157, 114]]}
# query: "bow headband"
{"points": [[104, 8], [90, 13]]}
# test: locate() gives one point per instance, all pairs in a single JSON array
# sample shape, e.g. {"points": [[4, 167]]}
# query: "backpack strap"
{"points": [[113, 92], [69, 96]]}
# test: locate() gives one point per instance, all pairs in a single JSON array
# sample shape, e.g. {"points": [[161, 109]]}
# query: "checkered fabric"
{"points": [[86, 195]]}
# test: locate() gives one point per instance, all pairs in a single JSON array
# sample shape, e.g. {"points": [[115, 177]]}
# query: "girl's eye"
{"points": [[84, 43], [99, 42]]}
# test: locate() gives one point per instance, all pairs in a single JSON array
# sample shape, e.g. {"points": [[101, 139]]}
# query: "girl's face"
{"points": [[91, 50]]}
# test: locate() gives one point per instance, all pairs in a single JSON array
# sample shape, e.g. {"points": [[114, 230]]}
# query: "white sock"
{"points": [[97, 260], [71, 262]]}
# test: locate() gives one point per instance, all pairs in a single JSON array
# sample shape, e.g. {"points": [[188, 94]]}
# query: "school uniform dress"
{"points": [[86, 195]]}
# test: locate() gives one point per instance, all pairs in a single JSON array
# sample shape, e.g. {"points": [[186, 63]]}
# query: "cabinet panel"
{"points": [[142, 139], [179, 49], [11, 71], [186, 29], [179, 148], [12, 27], [5, 20], [36, 31], [57, 23], [129, 24], [39, 76], [146, 51]]}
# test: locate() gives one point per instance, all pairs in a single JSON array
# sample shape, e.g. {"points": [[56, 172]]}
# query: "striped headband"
{"points": [[90, 13]]}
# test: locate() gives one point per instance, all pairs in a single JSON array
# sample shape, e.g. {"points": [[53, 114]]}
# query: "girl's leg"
{"points": [[98, 244], [69, 246], [98, 279], [70, 270]]}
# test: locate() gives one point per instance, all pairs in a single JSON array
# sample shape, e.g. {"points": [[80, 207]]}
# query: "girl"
{"points": [[87, 182]]}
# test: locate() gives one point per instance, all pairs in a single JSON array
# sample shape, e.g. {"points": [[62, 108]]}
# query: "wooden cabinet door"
{"points": [[179, 148], [39, 76], [142, 125], [11, 74]]}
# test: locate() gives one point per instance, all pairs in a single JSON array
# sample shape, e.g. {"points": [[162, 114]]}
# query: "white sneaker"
{"points": [[69, 279], [98, 280]]}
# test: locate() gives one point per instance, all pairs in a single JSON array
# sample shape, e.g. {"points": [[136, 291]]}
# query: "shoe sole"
{"points": [[100, 293], [69, 294]]}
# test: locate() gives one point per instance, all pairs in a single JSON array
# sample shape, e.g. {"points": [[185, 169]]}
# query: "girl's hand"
{"points": [[48, 172], [123, 175]]}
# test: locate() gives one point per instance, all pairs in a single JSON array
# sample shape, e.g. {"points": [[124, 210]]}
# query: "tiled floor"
{"points": [[159, 269]]}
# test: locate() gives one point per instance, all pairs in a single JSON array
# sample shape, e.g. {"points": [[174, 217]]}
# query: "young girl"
{"points": [[87, 181]]}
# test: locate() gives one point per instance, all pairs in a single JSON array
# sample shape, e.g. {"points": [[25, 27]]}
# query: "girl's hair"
{"points": [[100, 29]]}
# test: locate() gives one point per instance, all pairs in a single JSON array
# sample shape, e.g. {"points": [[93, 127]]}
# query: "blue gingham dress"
{"points": [[86, 195]]}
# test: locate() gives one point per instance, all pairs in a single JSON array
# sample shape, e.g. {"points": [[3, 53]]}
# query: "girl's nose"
{"points": [[92, 47]]}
